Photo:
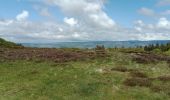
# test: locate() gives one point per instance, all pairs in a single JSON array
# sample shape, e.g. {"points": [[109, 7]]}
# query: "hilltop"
{"points": [[8, 44]]}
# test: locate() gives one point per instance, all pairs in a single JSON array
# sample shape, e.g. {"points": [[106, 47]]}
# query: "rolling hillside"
{"points": [[7, 44]]}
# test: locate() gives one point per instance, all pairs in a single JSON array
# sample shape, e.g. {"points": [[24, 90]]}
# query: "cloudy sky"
{"points": [[84, 20]]}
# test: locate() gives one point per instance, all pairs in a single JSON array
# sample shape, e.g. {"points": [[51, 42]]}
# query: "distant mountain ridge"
{"points": [[92, 44], [87, 44]]}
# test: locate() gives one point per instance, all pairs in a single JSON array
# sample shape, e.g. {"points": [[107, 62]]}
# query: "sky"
{"points": [[44, 21]]}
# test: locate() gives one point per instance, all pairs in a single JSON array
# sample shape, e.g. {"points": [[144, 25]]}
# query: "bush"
{"points": [[161, 88], [120, 69], [138, 74], [157, 50], [164, 78], [134, 81]]}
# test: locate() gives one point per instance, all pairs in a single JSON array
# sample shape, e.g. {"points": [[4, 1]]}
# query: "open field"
{"points": [[74, 74], [84, 49]]}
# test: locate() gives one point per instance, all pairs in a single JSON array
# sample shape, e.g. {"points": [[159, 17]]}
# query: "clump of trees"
{"points": [[162, 47]]}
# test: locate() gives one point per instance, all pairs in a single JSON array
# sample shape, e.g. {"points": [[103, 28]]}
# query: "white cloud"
{"points": [[22, 16], [154, 31], [167, 12], [70, 21], [138, 29], [163, 3], [42, 10], [164, 23], [86, 20], [28, 31], [139, 23], [103, 20], [154, 36], [60, 29], [152, 13], [88, 12], [45, 12], [147, 12], [6, 22], [76, 35]]}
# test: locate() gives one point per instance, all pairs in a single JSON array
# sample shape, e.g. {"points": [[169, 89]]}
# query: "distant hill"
{"points": [[92, 44], [8, 44]]}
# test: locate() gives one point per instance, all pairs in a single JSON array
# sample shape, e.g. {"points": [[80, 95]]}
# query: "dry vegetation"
{"points": [[56, 55], [149, 57]]}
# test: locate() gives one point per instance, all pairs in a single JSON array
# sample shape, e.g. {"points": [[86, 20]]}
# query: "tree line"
{"points": [[162, 47]]}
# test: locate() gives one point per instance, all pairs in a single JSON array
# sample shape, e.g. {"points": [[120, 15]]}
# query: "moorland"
{"points": [[141, 73]]}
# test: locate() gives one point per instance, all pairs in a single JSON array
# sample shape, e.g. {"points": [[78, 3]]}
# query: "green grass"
{"points": [[8, 44], [81, 80], [167, 52]]}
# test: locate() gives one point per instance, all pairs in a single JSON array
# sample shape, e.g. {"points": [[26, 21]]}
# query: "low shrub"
{"points": [[120, 69], [164, 78], [165, 88], [136, 73], [134, 81]]}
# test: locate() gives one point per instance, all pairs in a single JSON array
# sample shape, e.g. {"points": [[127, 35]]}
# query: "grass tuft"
{"points": [[120, 69], [143, 82], [136, 73]]}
